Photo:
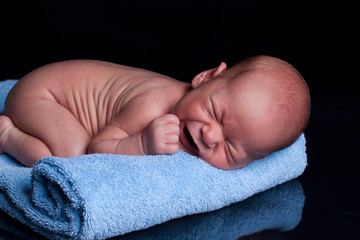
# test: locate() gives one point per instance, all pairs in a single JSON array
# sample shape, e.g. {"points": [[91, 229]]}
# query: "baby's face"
{"points": [[222, 122]]}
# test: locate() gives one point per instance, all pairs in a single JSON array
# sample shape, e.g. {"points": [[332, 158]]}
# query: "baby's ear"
{"points": [[207, 75]]}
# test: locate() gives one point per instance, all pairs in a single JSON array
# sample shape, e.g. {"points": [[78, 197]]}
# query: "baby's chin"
{"points": [[217, 163], [185, 149], [223, 165], [196, 154]]}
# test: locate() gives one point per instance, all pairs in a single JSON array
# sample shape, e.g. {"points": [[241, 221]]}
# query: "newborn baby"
{"points": [[227, 117]]}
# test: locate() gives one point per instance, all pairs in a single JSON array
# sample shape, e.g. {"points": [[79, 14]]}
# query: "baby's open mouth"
{"points": [[189, 141]]}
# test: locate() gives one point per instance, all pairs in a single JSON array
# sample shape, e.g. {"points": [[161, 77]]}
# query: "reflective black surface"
{"points": [[331, 182]]}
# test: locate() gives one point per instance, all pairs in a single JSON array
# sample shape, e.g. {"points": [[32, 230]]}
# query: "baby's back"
{"points": [[93, 91]]}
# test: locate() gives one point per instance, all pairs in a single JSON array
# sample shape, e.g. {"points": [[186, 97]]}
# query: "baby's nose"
{"points": [[212, 135]]}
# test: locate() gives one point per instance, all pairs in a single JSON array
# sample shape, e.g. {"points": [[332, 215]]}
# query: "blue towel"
{"points": [[102, 195], [279, 208]]}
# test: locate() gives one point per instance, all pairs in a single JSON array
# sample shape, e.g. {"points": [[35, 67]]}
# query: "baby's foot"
{"points": [[5, 125]]}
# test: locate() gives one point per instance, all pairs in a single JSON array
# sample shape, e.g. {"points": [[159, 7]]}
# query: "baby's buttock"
{"points": [[88, 101]]}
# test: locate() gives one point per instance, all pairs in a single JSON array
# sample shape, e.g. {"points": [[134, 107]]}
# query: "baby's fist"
{"points": [[162, 135]]}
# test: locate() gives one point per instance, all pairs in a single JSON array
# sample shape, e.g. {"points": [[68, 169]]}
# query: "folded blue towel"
{"points": [[102, 195], [279, 208]]}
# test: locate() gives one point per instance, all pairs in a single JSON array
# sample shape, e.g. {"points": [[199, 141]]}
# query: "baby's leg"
{"points": [[43, 128], [20, 145]]}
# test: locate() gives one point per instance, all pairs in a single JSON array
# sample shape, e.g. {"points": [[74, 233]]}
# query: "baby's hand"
{"points": [[162, 135]]}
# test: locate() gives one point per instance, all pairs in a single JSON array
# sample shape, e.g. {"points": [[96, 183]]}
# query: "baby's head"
{"points": [[234, 116]]}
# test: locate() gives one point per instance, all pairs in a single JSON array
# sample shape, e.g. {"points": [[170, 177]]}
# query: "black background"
{"points": [[182, 38]]}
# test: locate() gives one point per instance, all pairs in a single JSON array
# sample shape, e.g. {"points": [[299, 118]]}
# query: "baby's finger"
{"points": [[172, 129], [172, 138], [172, 148], [171, 118]]}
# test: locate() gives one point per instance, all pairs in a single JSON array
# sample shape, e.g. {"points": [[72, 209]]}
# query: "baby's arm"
{"points": [[161, 136]]}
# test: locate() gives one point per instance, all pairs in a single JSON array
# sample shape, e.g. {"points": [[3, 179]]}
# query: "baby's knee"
{"points": [[74, 151], [74, 146]]}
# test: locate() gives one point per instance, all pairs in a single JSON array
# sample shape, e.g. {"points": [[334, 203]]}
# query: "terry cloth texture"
{"points": [[102, 195], [279, 208]]}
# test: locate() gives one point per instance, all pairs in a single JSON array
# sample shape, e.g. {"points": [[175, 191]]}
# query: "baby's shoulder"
{"points": [[156, 95], [166, 90]]}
